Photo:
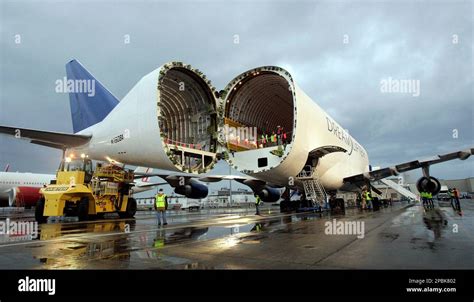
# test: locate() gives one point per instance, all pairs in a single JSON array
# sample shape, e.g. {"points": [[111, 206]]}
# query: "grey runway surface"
{"points": [[400, 237]]}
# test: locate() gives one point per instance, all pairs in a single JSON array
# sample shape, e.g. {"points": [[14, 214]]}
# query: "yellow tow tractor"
{"points": [[80, 191]]}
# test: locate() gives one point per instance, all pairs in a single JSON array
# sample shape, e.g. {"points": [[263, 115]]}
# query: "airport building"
{"points": [[463, 185], [242, 197], [218, 199]]}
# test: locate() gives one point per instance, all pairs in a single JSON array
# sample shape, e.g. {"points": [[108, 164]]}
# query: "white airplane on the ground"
{"points": [[22, 189], [173, 119]]}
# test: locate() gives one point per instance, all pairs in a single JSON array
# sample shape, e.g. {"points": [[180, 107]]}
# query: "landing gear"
{"points": [[83, 209], [131, 209], [306, 203], [39, 210], [287, 206], [337, 205]]}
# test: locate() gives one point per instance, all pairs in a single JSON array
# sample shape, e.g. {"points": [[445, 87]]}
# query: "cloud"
{"points": [[401, 40]]}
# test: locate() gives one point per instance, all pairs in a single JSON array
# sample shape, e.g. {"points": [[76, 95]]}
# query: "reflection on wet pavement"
{"points": [[240, 239], [435, 221]]}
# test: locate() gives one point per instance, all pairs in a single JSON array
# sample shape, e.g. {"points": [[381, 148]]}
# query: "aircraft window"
{"points": [[262, 162]]}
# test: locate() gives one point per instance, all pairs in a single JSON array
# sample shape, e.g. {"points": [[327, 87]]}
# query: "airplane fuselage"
{"points": [[144, 130], [13, 182]]}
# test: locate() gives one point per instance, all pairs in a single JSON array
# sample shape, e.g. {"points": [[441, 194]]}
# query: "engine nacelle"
{"points": [[428, 184], [269, 194], [193, 189]]}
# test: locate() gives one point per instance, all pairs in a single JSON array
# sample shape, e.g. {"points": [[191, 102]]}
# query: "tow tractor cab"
{"points": [[81, 191]]}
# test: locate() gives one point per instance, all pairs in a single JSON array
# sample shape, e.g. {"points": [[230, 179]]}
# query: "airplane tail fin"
{"points": [[90, 101], [7, 167]]}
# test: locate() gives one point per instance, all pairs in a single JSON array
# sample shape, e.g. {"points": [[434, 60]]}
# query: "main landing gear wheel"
{"points": [[39, 210]]}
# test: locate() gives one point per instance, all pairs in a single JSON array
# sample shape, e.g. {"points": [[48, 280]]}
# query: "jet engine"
{"points": [[23, 196], [269, 194], [428, 184], [194, 189]]}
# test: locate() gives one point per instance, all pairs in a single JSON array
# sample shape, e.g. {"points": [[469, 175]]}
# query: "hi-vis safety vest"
{"points": [[429, 195], [367, 196], [160, 200], [159, 243], [257, 200]]}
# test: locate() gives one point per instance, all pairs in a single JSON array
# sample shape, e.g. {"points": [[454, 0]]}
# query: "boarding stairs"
{"points": [[313, 188], [399, 188]]}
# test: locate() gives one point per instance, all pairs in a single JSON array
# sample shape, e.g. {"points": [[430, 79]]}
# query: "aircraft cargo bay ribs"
{"points": [[174, 119]]}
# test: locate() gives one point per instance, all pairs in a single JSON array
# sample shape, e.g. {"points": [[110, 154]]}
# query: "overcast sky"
{"points": [[338, 53]]}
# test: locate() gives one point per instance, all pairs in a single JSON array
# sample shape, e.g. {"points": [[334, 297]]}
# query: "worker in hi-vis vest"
{"points": [[368, 198], [258, 201], [423, 198], [429, 198], [161, 204]]}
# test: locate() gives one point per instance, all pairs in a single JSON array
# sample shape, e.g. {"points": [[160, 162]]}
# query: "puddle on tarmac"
{"points": [[77, 250], [408, 217], [435, 221]]}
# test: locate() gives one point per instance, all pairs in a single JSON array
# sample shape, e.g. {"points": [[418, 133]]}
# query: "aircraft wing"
{"points": [[361, 179], [174, 178], [148, 185], [252, 182], [58, 140]]}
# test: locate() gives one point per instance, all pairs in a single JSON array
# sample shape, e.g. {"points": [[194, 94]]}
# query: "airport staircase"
{"points": [[399, 188], [313, 188]]}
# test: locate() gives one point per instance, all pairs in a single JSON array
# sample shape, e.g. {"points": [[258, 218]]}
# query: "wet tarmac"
{"points": [[400, 237]]}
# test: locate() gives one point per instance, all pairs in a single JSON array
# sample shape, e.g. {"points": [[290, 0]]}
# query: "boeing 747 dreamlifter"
{"points": [[174, 119]]}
